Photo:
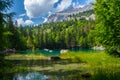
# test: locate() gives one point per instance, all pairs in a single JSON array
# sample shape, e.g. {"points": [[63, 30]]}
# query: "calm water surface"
{"points": [[48, 52], [30, 76]]}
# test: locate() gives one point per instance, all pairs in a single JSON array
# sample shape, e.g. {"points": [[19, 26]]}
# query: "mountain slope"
{"points": [[65, 15]]}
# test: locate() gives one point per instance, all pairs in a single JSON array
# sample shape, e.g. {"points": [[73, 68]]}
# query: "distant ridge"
{"points": [[64, 15]]}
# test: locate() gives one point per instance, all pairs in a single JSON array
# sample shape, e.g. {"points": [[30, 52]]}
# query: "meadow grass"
{"points": [[94, 59], [72, 66], [18, 56], [102, 66]]}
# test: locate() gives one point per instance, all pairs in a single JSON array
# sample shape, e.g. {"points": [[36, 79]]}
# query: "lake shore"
{"points": [[72, 65]]}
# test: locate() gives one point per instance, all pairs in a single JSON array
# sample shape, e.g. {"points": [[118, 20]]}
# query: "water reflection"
{"points": [[30, 76]]}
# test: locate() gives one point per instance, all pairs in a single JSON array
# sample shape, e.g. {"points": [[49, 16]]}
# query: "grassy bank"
{"points": [[72, 66], [101, 66]]}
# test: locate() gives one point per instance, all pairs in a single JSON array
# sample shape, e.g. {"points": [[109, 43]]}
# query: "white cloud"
{"points": [[63, 5], [77, 5], [89, 1], [36, 24], [29, 22], [21, 15], [37, 8], [20, 21], [43, 8]]}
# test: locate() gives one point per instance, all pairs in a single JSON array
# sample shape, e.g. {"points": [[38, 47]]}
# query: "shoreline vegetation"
{"points": [[71, 66]]}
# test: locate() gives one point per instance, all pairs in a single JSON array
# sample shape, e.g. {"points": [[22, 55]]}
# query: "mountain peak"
{"points": [[63, 15]]}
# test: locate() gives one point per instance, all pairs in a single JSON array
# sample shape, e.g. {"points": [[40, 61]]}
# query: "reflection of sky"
{"points": [[30, 76]]}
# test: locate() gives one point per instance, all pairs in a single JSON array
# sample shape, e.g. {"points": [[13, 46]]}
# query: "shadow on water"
{"points": [[42, 62]]}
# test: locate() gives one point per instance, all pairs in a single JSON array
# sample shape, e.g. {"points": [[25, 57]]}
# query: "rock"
{"points": [[54, 58], [50, 50], [64, 15], [98, 48], [46, 49], [9, 51], [63, 51], [86, 75], [48, 79]]}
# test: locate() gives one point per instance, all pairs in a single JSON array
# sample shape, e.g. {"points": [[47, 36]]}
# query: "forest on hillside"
{"points": [[59, 35], [67, 34], [75, 33]]}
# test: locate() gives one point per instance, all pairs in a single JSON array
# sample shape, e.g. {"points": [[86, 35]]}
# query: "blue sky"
{"points": [[34, 12]]}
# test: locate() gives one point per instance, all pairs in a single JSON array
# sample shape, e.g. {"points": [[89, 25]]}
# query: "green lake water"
{"points": [[56, 52]]}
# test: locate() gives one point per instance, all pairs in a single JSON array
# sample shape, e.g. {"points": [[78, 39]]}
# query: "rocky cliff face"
{"points": [[64, 15]]}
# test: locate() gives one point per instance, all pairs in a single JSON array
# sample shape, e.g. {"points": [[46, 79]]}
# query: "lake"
{"points": [[30, 76], [48, 52]]}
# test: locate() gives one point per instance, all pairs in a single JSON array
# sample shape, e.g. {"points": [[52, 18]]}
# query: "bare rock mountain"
{"points": [[60, 16]]}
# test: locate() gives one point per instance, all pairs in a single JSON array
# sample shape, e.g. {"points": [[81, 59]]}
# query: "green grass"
{"points": [[72, 65], [106, 74], [101, 65], [25, 57], [94, 59]]}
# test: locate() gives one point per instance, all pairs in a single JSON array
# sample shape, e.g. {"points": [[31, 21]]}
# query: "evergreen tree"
{"points": [[108, 24], [4, 6]]}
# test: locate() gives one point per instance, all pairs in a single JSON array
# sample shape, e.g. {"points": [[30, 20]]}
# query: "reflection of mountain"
{"points": [[65, 15]]}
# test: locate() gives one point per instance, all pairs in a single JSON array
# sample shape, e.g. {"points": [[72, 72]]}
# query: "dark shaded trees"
{"points": [[14, 39], [4, 6]]}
